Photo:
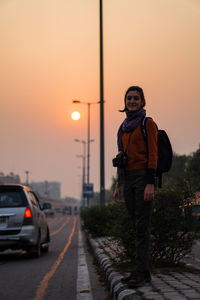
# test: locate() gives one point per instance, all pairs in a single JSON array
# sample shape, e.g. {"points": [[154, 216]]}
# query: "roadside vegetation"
{"points": [[173, 231]]}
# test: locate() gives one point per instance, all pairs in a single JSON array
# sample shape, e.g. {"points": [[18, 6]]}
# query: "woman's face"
{"points": [[133, 101]]}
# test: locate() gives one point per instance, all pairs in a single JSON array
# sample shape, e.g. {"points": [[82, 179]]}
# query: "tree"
{"points": [[193, 170], [177, 174]]}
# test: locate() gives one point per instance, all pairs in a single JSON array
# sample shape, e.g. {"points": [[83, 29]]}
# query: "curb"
{"points": [[119, 291]]}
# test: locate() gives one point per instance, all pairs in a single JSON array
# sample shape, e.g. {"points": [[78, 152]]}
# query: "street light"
{"points": [[101, 102], [27, 177], [83, 175], [84, 157], [102, 161], [88, 135]]}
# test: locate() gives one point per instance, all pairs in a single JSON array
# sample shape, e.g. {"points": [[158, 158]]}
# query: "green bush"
{"points": [[172, 233], [95, 220]]}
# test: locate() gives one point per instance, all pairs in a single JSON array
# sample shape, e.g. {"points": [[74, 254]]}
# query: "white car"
{"points": [[23, 223]]}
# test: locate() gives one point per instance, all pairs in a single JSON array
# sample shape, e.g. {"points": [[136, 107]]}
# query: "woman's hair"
{"points": [[139, 90]]}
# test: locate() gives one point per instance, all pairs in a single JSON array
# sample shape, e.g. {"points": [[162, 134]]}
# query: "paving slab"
{"points": [[175, 285]]}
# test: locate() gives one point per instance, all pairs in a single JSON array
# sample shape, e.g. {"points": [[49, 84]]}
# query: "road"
{"points": [[54, 275], [193, 259]]}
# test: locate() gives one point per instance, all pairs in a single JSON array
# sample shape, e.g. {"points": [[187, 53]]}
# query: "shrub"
{"points": [[172, 233], [95, 220]]}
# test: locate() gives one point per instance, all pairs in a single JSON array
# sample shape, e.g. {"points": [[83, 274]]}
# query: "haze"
{"points": [[50, 55]]}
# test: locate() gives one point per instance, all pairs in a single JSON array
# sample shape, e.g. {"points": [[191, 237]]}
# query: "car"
{"points": [[23, 223], [67, 210], [48, 209]]}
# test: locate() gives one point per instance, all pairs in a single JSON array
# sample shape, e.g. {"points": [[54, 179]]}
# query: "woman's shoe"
{"points": [[147, 277], [138, 281], [127, 278]]}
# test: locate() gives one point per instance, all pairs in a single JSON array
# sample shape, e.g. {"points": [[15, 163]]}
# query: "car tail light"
{"points": [[27, 216]]}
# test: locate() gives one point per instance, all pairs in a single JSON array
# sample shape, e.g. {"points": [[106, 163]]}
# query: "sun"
{"points": [[75, 115]]}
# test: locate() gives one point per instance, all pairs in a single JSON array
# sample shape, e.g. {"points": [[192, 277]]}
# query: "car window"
{"points": [[47, 206], [33, 199], [12, 199], [37, 200]]}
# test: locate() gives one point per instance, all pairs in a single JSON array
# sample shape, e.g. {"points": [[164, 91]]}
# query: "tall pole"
{"points": [[83, 183], [88, 141], [27, 181], [102, 168], [88, 152], [83, 162], [88, 146]]}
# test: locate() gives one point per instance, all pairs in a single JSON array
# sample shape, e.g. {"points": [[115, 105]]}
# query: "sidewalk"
{"points": [[174, 286]]}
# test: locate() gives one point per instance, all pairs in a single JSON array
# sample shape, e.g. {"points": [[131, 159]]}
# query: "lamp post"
{"points": [[88, 136], [84, 156], [102, 162], [101, 102], [83, 176], [27, 177]]}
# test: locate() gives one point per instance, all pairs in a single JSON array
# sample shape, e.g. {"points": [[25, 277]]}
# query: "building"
{"points": [[47, 189], [10, 178]]}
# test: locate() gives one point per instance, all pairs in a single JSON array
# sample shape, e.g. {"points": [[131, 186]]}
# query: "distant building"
{"points": [[10, 178], [47, 189]]}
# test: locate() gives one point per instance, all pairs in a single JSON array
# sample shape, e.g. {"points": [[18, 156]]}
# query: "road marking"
{"points": [[83, 281], [193, 257], [61, 227], [44, 283], [198, 243]]}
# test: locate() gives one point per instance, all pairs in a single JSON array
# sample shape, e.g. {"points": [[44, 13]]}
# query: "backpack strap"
{"points": [[143, 128], [144, 132]]}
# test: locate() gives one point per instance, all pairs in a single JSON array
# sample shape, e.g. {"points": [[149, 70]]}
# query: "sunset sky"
{"points": [[49, 55]]}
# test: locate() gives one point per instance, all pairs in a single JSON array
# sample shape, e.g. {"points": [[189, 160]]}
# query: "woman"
{"points": [[138, 177]]}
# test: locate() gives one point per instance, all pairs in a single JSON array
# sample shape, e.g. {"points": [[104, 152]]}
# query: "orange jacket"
{"points": [[139, 157]]}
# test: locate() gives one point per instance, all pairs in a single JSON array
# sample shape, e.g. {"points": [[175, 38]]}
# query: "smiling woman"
{"points": [[75, 115]]}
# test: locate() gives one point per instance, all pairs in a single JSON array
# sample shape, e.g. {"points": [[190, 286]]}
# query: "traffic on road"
{"points": [[53, 275]]}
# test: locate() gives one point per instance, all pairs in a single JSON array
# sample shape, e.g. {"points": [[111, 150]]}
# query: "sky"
{"points": [[49, 56]]}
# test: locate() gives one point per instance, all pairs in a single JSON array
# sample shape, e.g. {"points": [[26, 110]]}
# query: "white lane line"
{"points": [[193, 257], [83, 281]]}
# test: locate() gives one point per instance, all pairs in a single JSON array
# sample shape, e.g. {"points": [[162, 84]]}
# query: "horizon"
{"points": [[50, 56]]}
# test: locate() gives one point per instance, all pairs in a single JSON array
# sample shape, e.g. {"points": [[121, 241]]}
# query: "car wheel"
{"points": [[36, 250], [45, 246]]}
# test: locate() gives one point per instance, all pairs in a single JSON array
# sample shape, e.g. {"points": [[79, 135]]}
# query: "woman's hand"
{"points": [[149, 192], [116, 194]]}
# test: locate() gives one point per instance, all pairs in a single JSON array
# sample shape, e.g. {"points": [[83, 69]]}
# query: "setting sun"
{"points": [[75, 115]]}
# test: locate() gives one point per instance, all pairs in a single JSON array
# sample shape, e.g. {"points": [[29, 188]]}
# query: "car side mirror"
{"points": [[46, 206]]}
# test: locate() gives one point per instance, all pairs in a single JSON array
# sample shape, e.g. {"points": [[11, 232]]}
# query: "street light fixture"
{"points": [[88, 135], [83, 176], [101, 102], [27, 177], [84, 157]]}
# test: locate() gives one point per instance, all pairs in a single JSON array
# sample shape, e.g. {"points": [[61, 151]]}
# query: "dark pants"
{"points": [[140, 212]]}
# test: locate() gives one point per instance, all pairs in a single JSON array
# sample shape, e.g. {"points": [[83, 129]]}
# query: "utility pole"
{"points": [[27, 174], [102, 163]]}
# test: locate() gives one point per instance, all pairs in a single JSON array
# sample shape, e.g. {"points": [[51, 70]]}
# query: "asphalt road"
{"points": [[193, 259], [53, 276]]}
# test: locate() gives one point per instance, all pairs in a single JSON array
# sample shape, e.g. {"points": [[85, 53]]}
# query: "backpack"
{"points": [[165, 153]]}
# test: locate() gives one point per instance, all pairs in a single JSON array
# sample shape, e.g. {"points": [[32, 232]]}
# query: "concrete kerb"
{"points": [[128, 295], [174, 285], [118, 290]]}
